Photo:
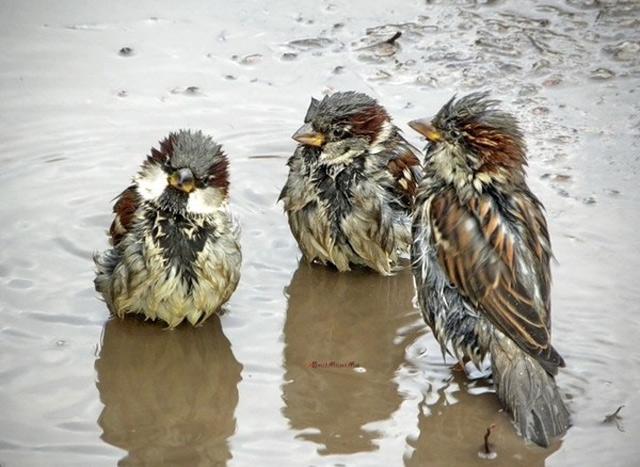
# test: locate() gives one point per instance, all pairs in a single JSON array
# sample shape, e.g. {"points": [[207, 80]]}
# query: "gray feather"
{"points": [[528, 392]]}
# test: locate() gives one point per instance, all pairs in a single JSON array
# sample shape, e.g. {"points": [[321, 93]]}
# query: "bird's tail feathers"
{"points": [[528, 392]]}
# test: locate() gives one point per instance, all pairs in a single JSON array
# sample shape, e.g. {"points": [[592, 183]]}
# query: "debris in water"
{"points": [[602, 74], [251, 59], [488, 450], [380, 50], [188, 91], [624, 51], [126, 52], [541, 110], [562, 178], [393, 39], [552, 82], [616, 418]]}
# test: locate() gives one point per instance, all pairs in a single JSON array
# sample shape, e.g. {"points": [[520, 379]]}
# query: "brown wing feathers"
{"points": [[405, 168], [479, 256], [124, 210]]}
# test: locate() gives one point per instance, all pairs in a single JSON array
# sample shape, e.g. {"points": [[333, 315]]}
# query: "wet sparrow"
{"points": [[351, 185], [481, 259], [175, 246]]}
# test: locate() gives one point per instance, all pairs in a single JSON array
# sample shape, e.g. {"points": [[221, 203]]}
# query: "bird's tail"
{"points": [[528, 392]]}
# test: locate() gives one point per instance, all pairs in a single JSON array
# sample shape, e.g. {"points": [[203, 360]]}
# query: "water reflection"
{"points": [[344, 318], [452, 430], [169, 396]]}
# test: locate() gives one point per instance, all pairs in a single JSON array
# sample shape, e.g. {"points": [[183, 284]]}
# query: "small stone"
{"points": [[289, 56], [551, 82], [123, 93], [540, 110], [125, 52], [427, 81], [251, 59], [624, 51], [562, 178], [602, 74]]}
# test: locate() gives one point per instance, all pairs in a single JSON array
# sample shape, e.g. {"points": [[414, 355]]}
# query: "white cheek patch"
{"points": [[152, 182], [204, 201]]}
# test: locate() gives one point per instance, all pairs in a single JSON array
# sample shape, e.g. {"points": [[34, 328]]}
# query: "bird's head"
{"points": [[343, 117], [473, 136], [188, 174]]}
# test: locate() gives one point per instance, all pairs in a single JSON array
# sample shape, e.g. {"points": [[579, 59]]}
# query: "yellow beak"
{"points": [[425, 128], [183, 179], [307, 135]]}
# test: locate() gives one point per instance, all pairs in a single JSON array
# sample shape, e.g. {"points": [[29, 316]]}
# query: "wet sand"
{"points": [[79, 113]]}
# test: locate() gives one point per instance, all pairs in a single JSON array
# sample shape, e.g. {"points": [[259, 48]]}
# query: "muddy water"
{"points": [[257, 386]]}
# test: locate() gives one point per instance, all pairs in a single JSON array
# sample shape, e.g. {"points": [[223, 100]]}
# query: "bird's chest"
{"points": [[334, 184], [179, 240]]}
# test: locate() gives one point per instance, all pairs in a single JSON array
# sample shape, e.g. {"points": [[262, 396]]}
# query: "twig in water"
{"points": [[393, 39], [488, 450], [616, 418]]}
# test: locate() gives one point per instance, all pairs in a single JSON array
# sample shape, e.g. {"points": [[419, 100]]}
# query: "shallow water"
{"points": [[77, 117]]}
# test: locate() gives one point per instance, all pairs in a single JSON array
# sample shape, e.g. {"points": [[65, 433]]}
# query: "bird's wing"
{"points": [[125, 209], [297, 169], [404, 166], [477, 250]]}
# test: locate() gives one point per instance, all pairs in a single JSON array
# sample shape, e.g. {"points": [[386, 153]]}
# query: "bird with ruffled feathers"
{"points": [[351, 185], [481, 257], [175, 251]]}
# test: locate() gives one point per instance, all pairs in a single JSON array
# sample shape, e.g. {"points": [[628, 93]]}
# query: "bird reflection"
{"points": [[350, 319], [169, 396], [451, 431]]}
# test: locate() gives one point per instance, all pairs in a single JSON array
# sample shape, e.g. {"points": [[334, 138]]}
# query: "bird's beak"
{"points": [[182, 179], [307, 135], [425, 128]]}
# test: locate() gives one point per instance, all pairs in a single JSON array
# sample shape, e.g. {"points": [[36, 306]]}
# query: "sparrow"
{"points": [[480, 256], [351, 185], [175, 249]]}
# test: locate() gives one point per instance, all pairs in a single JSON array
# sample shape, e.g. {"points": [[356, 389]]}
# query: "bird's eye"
{"points": [[339, 132], [454, 134]]}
